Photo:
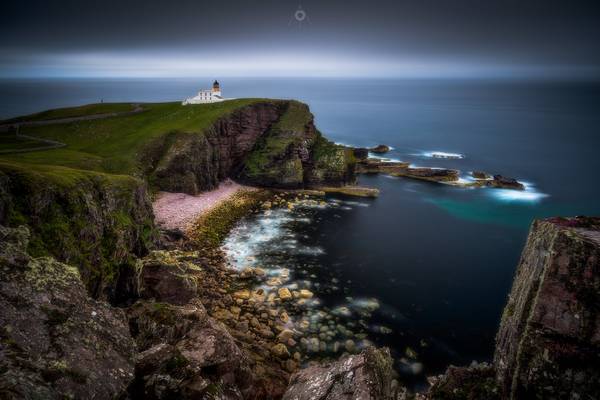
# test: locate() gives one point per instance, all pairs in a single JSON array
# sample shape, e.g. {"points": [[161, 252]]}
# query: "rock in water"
{"points": [[365, 376], [56, 341], [503, 182], [380, 149], [480, 175], [548, 345]]}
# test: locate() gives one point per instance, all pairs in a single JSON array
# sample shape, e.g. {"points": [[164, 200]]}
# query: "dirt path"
{"points": [[180, 210]]}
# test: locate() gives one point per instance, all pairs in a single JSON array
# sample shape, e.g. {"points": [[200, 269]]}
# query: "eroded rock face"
{"points": [[366, 376], [548, 345], [56, 341]]}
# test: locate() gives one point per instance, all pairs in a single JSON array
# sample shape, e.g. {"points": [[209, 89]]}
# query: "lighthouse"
{"points": [[207, 96]]}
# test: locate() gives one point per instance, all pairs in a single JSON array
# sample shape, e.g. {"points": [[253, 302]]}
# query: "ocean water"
{"points": [[425, 266]]}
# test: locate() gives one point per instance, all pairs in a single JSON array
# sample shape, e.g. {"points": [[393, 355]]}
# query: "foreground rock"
{"points": [[186, 354], [366, 376], [548, 345], [56, 341]]}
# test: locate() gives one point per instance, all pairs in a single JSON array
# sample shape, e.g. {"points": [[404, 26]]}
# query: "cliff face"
{"points": [[548, 345], [270, 143], [97, 222], [191, 163]]}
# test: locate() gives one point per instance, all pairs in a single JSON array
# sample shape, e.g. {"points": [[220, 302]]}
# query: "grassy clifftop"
{"points": [[114, 144]]}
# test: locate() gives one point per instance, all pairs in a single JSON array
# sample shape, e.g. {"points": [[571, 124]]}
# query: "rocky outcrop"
{"points": [[429, 174], [97, 222], [503, 182], [365, 376], [270, 143], [160, 276], [476, 382], [186, 354], [56, 342], [548, 345]]}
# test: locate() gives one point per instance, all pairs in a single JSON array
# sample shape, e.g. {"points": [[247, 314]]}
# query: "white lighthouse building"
{"points": [[206, 96]]}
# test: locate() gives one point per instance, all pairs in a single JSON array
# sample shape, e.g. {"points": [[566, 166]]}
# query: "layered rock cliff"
{"points": [[548, 344], [268, 143]]}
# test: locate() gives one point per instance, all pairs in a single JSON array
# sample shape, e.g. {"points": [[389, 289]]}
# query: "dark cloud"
{"points": [[536, 32]]}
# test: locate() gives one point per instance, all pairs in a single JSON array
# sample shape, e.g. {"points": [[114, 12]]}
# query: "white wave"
{"points": [[530, 194], [382, 158], [441, 154]]}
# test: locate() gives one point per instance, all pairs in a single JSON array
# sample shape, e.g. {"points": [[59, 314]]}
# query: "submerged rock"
{"points": [[365, 376], [56, 341]]}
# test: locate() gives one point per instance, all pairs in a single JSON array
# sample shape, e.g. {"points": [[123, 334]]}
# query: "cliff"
{"points": [[97, 222], [268, 143], [87, 204], [548, 343]]}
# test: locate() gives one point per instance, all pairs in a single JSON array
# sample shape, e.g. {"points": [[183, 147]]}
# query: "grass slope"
{"points": [[69, 112], [113, 144]]}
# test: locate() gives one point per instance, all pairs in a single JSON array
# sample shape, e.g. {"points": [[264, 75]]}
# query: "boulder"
{"points": [[56, 341], [464, 383], [365, 376], [186, 354], [165, 278], [548, 344]]}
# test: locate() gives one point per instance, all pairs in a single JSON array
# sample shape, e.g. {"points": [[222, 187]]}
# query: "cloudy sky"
{"points": [[263, 38]]}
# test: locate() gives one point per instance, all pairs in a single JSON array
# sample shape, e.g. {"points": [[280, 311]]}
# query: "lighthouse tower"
{"points": [[216, 89]]}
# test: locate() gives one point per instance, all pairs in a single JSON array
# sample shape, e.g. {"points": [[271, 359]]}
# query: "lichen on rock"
{"points": [[56, 341]]}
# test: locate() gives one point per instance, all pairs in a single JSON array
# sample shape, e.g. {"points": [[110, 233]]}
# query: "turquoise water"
{"points": [[438, 260]]}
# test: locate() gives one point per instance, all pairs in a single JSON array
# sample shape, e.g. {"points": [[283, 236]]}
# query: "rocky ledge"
{"points": [[433, 174]]}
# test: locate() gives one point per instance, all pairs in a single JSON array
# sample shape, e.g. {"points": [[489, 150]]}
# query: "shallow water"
{"points": [[437, 259]]}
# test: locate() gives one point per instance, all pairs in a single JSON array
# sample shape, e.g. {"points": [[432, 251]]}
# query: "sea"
{"points": [[424, 269]]}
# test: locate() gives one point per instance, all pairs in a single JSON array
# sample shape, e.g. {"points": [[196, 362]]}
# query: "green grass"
{"points": [[115, 144], [9, 142], [88, 109]]}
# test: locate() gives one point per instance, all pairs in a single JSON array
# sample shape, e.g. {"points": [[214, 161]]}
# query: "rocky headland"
{"points": [[98, 301]]}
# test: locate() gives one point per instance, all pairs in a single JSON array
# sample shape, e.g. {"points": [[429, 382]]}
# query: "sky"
{"points": [[375, 38]]}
